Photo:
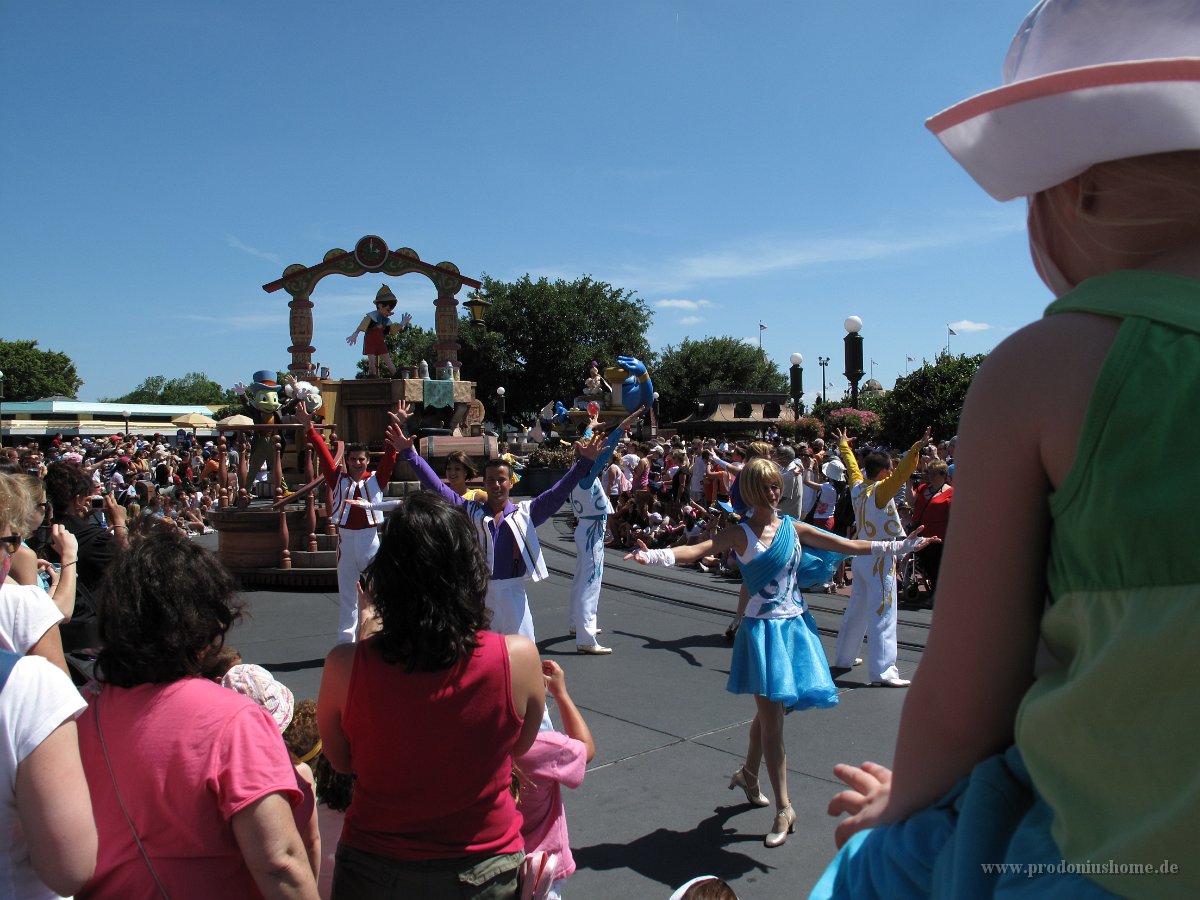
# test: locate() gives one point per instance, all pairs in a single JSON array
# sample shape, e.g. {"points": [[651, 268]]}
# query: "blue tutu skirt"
{"points": [[783, 660]]}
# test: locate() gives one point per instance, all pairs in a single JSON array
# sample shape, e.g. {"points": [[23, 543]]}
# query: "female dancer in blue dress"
{"points": [[777, 655]]}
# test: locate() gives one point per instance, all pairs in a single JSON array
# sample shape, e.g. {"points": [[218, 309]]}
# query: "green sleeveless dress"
{"points": [[1110, 738], [1100, 795]]}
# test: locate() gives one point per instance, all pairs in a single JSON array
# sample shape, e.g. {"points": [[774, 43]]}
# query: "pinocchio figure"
{"points": [[377, 325]]}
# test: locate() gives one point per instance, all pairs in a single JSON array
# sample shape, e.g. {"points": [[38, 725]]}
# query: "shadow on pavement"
{"points": [[680, 646], [672, 857], [299, 665]]}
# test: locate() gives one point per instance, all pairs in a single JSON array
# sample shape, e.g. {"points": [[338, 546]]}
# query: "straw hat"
{"points": [[1085, 81]]}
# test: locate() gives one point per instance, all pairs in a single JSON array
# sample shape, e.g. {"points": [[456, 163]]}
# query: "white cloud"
{"points": [[245, 248], [683, 304], [760, 255], [691, 320], [967, 325]]}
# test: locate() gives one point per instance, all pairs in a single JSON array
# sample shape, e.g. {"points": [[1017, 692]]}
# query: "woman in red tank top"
{"points": [[428, 713]]}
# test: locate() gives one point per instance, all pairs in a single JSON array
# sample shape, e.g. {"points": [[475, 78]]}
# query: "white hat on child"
{"points": [[260, 686], [1085, 81]]}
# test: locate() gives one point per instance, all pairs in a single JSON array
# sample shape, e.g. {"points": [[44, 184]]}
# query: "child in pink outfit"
{"points": [[556, 758]]}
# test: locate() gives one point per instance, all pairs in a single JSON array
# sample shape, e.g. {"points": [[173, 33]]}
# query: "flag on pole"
{"points": [[952, 331], [910, 359], [762, 327]]}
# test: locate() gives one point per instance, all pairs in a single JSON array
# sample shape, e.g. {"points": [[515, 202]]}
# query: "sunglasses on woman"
{"points": [[11, 543]]}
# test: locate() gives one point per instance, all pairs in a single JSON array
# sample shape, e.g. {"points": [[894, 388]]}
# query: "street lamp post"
{"points": [[126, 414], [1, 409], [797, 377], [654, 417], [823, 361], [500, 415], [854, 356]]}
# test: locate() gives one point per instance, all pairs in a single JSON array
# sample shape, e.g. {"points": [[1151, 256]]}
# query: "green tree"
{"points": [[33, 374], [932, 395], [724, 363], [542, 336], [193, 389]]}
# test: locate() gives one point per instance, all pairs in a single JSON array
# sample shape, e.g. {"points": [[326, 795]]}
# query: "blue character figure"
{"points": [[636, 390]]}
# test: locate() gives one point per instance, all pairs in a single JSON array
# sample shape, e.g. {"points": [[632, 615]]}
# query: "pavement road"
{"points": [[654, 810]]}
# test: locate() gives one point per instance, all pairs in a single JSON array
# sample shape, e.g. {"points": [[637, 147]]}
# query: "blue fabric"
{"points": [[782, 660], [994, 815], [437, 393], [606, 452], [817, 566], [759, 572], [8, 659]]}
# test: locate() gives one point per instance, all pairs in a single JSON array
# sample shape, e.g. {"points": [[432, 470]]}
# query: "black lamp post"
{"points": [[823, 361], [797, 377], [477, 306], [126, 414], [854, 356], [500, 414], [1, 409]]}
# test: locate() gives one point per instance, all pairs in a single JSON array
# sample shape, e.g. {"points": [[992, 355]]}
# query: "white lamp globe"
{"points": [[853, 324], [797, 359]]}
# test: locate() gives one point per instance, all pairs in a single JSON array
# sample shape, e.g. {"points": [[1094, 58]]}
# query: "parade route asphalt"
{"points": [[654, 809]]}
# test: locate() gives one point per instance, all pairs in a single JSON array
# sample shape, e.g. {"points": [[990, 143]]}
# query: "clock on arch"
{"points": [[371, 251]]}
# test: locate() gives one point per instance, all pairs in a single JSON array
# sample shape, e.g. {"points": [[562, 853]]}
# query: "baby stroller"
{"points": [[911, 582]]}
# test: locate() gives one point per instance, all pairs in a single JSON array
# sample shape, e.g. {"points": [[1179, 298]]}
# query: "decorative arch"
{"points": [[370, 255]]}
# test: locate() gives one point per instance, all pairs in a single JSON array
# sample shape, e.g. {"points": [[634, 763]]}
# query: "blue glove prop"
{"points": [[636, 390], [560, 413]]}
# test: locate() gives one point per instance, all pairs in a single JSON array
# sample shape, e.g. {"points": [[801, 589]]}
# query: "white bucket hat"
{"points": [[1085, 81]]}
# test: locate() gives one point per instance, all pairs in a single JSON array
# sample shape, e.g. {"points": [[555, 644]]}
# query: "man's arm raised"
{"points": [[400, 443]]}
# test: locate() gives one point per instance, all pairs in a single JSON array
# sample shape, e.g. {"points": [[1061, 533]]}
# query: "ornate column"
{"points": [[300, 323], [445, 324]]}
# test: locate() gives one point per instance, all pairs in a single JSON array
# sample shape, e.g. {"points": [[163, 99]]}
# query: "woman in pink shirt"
{"points": [[191, 783]]}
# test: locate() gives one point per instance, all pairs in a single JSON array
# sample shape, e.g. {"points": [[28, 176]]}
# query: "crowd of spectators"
{"points": [[677, 491], [150, 478]]}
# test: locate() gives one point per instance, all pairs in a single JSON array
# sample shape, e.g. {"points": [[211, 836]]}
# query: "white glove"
{"points": [[899, 548], [655, 557]]}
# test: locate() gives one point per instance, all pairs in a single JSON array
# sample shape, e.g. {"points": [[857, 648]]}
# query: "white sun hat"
{"points": [[1085, 81]]}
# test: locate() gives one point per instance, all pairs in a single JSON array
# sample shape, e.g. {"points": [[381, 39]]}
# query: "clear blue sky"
{"points": [[729, 162]]}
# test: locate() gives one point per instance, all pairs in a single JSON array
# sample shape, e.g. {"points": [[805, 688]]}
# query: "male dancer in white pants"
{"points": [[357, 522], [506, 530], [871, 610], [590, 503]]}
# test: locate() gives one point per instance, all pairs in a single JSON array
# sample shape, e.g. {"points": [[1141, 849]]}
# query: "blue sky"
{"points": [[729, 162]]}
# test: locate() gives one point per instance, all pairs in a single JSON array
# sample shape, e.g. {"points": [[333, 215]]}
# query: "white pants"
{"points": [[585, 586], [510, 607], [510, 615], [356, 548], [870, 612]]}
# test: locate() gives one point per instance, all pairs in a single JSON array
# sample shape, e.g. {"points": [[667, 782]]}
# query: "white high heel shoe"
{"points": [[784, 824], [748, 783]]}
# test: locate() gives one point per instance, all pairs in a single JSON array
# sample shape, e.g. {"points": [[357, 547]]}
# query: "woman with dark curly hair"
{"points": [[430, 817], [191, 783]]}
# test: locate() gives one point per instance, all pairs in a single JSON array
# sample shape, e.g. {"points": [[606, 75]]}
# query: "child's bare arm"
{"points": [[573, 722]]}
